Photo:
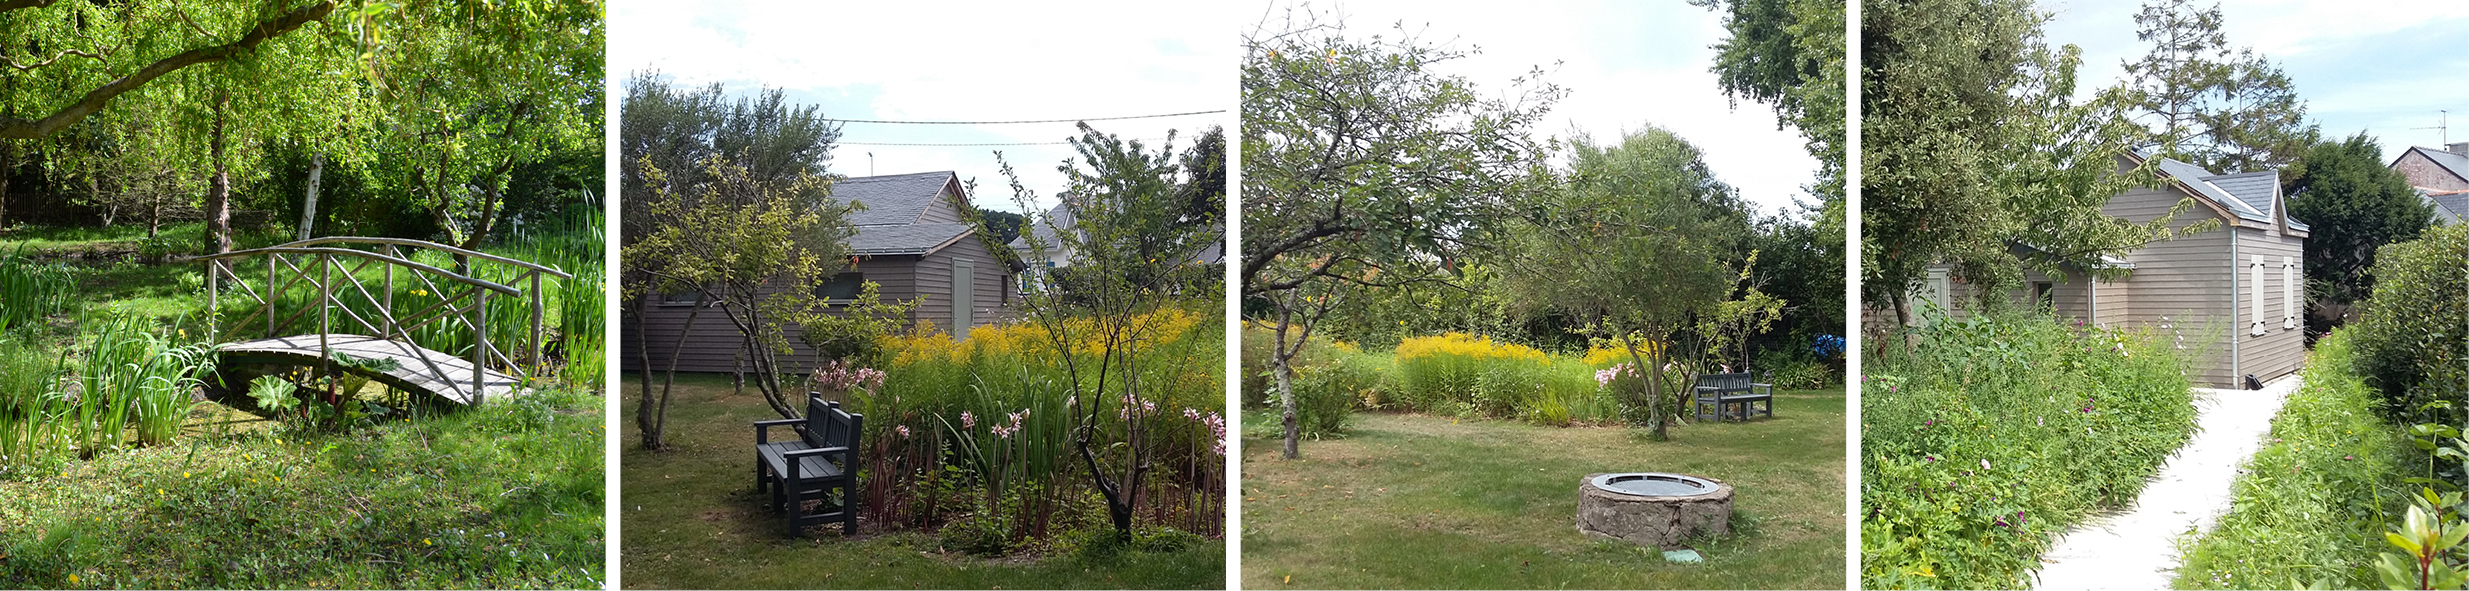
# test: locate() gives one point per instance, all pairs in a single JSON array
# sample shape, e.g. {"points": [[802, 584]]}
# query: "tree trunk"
{"points": [[308, 205], [8, 163], [1286, 399], [218, 197]]}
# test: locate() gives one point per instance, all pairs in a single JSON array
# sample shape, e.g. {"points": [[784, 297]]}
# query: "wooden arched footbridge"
{"points": [[332, 303]]}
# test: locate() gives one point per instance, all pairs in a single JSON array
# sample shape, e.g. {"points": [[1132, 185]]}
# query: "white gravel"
{"points": [[2137, 548]]}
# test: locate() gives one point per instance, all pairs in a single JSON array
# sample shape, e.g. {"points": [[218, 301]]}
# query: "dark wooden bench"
{"points": [[1722, 390], [823, 458]]}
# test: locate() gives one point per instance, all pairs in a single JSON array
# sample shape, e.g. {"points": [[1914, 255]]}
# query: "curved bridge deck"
{"points": [[416, 369]]}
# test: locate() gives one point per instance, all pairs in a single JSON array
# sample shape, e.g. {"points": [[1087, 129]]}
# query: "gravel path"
{"points": [[2137, 548]]}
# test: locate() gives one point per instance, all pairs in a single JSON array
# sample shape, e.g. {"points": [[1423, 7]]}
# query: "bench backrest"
{"points": [[827, 425], [1727, 381]]}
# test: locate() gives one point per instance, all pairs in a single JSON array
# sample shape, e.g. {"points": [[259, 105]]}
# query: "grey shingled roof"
{"points": [[2450, 208], [2256, 189], [1058, 216], [891, 199], [2197, 178], [2457, 164], [905, 239]]}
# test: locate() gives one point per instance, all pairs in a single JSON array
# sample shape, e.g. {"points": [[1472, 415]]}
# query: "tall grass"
{"points": [[30, 405], [30, 291], [2000, 431], [130, 371], [2311, 507], [1004, 473]]}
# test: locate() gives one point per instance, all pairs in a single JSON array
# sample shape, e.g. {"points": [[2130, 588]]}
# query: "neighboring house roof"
{"points": [[893, 198], [1061, 217], [1058, 216], [2252, 196], [2450, 206], [2456, 164], [906, 239]]}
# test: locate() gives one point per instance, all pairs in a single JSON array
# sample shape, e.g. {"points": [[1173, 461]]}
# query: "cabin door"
{"points": [[964, 296]]}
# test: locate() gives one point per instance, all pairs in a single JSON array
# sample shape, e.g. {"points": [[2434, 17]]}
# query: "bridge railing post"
{"points": [[480, 349], [536, 322], [214, 300]]}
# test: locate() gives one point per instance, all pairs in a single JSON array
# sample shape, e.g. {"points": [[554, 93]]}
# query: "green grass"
{"points": [[692, 520], [1411, 501], [508, 496], [2314, 502]]}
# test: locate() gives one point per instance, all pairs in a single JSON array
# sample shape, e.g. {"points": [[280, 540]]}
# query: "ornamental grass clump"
{"points": [[1438, 371], [1996, 433], [973, 437]]}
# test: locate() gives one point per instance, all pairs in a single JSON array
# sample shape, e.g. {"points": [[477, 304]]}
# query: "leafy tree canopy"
{"points": [[2353, 205]]}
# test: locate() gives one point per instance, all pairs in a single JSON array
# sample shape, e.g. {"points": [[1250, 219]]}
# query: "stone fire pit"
{"points": [[1653, 509]]}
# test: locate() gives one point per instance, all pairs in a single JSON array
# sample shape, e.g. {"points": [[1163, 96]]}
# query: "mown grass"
{"points": [[693, 521], [2313, 504], [1413, 501], [507, 496]]}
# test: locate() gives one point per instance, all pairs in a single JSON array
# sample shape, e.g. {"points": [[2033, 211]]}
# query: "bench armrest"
{"points": [[1767, 389], [790, 457], [762, 429]]}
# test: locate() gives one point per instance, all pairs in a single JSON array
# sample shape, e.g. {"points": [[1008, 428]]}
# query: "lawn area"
{"points": [[1413, 501], [508, 496], [693, 521]]}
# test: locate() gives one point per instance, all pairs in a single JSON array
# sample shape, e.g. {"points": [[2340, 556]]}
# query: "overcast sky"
{"points": [[1626, 64], [980, 61], [2380, 66]]}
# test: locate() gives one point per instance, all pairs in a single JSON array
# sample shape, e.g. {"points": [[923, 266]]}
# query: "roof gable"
{"points": [[2456, 164], [918, 239], [898, 198], [2251, 196]]}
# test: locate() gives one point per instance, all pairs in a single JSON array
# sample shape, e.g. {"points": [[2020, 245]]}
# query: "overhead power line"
{"points": [[1034, 121], [1153, 139]]}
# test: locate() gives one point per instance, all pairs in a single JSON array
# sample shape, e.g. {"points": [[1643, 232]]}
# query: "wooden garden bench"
{"points": [[1722, 390], [823, 458]]}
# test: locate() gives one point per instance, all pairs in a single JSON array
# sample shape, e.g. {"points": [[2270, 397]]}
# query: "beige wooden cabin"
{"points": [[916, 237], [2237, 292]]}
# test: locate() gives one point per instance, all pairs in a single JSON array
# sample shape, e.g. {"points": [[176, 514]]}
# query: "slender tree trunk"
{"points": [[218, 197], [8, 164], [308, 205]]}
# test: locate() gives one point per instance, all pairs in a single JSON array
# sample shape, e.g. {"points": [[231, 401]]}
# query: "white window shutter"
{"points": [[2289, 293], [2254, 300]]}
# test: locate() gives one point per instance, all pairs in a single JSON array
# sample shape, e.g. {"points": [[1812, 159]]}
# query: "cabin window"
{"points": [[679, 296], [2045, 294], [844, 286]]}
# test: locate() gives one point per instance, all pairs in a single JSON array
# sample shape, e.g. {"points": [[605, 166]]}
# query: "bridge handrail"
{"points": [[553, 271], [483, 283]]}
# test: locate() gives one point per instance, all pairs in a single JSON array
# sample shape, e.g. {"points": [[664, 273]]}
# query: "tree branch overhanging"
{"points": [[95, 100]]}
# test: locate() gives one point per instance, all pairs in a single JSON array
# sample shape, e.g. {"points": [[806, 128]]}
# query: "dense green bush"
{"points": [[2412, 338], [2312, 505], [1998, 432]]}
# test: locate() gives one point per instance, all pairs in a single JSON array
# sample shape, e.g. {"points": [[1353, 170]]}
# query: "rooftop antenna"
{"points": [[2442, 126]]}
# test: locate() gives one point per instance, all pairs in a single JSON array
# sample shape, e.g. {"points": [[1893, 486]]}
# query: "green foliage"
{"points": [[1637, 244], [1789, 54], [30, 291], [2354, 206], [1974, 143], [2412, 338], [2426, 538], [2312, 503], [1998, 432], [856, 334]]}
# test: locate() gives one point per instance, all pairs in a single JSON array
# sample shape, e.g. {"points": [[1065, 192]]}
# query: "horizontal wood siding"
{"points": [[2280, 351], [945, 208], [714, 344], [2183, 284], [934, 273]]}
